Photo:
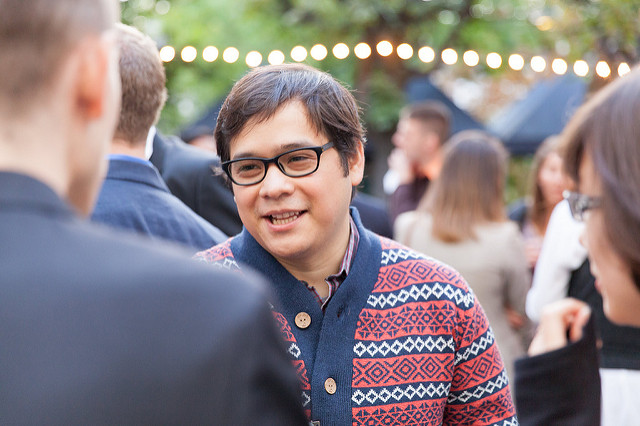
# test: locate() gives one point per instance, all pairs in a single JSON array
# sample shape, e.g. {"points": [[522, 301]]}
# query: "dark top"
{"points": [[407, 196], [100, 327], [191, 175], [620, 345], [560, 387], [373, 213], [134, 197]]}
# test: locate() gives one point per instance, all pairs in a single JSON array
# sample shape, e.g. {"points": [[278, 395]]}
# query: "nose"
{"points": [[275, 184]]}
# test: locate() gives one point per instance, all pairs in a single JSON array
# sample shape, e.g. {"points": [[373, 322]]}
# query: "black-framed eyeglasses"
{"points": [[297, 162], [580, 204]]}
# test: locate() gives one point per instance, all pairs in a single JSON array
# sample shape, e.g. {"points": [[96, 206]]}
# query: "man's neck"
{"points": [[124, 147]]}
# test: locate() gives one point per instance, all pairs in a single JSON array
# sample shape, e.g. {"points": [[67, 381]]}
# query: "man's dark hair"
{"points": [[256, 97], [433, 114]]}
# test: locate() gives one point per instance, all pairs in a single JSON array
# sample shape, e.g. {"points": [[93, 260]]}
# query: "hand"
{"points": [[566, 316], [401, 165], [515, 319]]}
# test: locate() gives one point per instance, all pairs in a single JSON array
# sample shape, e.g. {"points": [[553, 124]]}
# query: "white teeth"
{"points": [[284, 218]]}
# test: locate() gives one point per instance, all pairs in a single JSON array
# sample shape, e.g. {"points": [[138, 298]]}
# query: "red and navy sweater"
{"points": [[403, 341]]}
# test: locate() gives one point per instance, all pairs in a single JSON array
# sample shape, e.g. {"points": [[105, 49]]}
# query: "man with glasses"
{"points": [[379, 334]]}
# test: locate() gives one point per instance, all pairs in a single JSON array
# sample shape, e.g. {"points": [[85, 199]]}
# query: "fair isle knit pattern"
{"points": [[404, 339]]}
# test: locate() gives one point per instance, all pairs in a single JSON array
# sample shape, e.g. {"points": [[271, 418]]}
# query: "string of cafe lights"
{"points": [[404, 51]]}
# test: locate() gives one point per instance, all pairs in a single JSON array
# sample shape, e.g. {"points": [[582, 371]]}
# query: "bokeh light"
{"points": [[471, 58], [449, 56], [230, 55]]}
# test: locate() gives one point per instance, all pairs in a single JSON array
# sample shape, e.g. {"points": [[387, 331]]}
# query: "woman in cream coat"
{"points": [[462, 222]]}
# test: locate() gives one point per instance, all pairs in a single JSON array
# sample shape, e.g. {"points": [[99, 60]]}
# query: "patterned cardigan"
{"points": [[403, 341]]}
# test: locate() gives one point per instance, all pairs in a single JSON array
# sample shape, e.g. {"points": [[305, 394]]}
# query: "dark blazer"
{"points": [[134, 197], [373, 213], [189, 174], [99, 327]]}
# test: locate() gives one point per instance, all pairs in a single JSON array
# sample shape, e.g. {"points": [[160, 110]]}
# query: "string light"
{"points": [[538, 64], [602, 69], [449, 56], [471, 58], [516, 62], [494, 60], [167, 53], [404, 51], [189, 54], [559, 66], [623, 69], [210, 53], [384, 48], [340, 51], [276, 57], [581, 68], [299, 53], [253, 59], [319, 52], [362, 50], [230, 55], [426, 54]]}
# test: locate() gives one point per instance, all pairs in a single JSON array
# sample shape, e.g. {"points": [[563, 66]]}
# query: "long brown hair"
{"points": [[470, 188], [540, 210]]}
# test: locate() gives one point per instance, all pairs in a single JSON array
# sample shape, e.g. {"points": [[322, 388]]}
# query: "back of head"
{"points": [[257, 96], [36, 36], [433, 114], [142, 77], [469, 190], [607, 129]]}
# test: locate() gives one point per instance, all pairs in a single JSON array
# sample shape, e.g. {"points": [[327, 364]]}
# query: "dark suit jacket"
{"points": [[373, 213], [134, 197], [189, 174], [100, 328]]}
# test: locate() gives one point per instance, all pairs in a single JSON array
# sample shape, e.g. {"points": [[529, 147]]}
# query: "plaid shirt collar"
{"points": [[336, 279]]}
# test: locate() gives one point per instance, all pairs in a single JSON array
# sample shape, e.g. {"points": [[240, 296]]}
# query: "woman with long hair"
{"points": [[560, 382], [547, 182], [462, 222]]}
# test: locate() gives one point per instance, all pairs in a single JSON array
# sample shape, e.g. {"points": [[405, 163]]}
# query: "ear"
{"points": [[93, 64], [356, 165]]}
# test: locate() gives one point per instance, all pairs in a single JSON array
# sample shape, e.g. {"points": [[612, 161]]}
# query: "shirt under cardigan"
{"points": [[403, 337]]}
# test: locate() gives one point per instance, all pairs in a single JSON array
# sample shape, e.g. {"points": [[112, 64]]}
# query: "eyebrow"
{"points": [[282, 148]]}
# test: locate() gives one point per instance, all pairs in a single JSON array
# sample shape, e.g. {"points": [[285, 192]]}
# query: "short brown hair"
{"points": [[332, 109], [470, 188], [35, 36], [433, 114], [143, 84], [607, 127]]}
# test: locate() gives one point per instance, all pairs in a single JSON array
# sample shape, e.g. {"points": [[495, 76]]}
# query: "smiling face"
{"points": [[614, 280], [303, 220]]}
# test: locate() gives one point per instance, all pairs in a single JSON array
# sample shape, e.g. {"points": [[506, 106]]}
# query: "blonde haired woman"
{"points": [[462, 222]]}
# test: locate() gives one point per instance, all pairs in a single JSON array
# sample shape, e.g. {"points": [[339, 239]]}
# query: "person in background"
{"points": [[200, 136], [548, 181], [462, 222], [133, 195], [417, 159], [560, 382], [379, 334], [100, 326]]}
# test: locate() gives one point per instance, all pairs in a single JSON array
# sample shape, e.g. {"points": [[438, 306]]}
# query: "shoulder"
{"points": [[417, 267], [219, 255]]}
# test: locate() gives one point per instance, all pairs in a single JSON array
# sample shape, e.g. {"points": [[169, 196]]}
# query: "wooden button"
{"points": [[330, 386], [303, 320]]}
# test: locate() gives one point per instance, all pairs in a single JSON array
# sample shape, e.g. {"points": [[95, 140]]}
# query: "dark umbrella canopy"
{"points": [[543, 112], [422, 89]]}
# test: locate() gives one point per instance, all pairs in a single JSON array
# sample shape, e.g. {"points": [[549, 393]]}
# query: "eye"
{"points": [[245, 168]]}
